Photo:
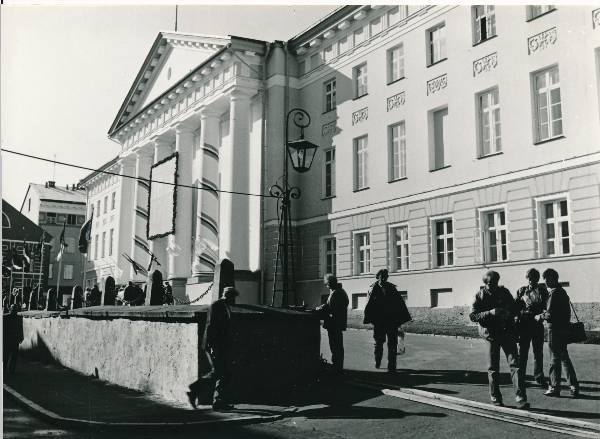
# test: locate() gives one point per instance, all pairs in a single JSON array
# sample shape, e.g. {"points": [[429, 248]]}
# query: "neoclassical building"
{"points": [[452, 139]]}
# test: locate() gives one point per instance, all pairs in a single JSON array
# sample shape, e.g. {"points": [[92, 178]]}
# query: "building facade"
{"points": [[453, 139], [51, 207]]}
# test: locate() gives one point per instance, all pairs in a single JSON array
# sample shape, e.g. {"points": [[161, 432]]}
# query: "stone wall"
{"points": [[157, 349]]}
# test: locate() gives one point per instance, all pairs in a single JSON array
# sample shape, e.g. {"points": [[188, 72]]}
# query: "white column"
{"points": [[180, 243], [207, 207], [158, 246], [139, 236], [234, 163], [126, 213]]}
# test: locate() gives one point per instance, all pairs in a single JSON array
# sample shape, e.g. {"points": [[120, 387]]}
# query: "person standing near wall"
{"points": [[558, 317], [531, 300], [386, 310], [12, 338], [494, 308], [334, 312]]}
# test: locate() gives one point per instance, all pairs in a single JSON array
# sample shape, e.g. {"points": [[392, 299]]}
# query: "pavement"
{"points": [[63, 400]]}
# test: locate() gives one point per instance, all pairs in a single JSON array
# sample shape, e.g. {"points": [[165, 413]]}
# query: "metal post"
{"points": [[41, 272]]}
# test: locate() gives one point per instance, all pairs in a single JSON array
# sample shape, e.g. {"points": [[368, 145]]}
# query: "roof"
{"points": [[57, 194], [98, 171], [17, 226], [322, 24]]}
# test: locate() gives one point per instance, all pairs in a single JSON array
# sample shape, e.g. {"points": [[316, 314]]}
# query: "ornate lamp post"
{"points": [[301, 153]]}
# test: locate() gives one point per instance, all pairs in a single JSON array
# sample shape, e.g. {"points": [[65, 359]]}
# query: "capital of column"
{"points": [[145, 152], [127, 161], [185, 128], [208, 113], [240, 94]]}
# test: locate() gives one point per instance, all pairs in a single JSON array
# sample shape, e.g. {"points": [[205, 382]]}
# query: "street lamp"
{"points": [[301, 153]]}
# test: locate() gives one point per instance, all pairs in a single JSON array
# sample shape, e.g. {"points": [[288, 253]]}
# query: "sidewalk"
{"points": [[67, 398], [457, 367]]}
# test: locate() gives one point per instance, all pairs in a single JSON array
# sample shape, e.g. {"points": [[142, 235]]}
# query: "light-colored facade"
{"points": [[452, 139], [51, 207]]}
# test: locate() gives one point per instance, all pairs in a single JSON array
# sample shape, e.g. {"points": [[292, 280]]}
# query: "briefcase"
{"points": [[576, 329]]}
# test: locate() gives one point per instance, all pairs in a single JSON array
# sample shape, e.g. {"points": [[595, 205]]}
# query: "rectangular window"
{"points": [[96, 247], [534, 11], [439, 132], [343, 45], [50, 269], [494, 235], [397, 151], [360, 35], [362, 252], [360, 80], [98, 208], [71, 219], [443, 242], [329, 90], [376, 26], [103, 243], [105, 203], [113, 202], [360, 163], [29, 205], [110, 242], [359, 301], [490, 139], [547, 103], [330, 256], [555, 228], [329, 173], [400, 249], [436, 44], [441, 298], [70, 243], [315, 61], [395, 58], [68, 272], [51, 217], [329, 53], [396, 14], [484, 22]]}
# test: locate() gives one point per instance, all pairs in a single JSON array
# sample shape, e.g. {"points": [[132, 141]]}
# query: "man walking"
{"points": [[217, 342], [386, 310], [494, 309], [12, 338], [334, 313], [557, 317], [531, 301]]}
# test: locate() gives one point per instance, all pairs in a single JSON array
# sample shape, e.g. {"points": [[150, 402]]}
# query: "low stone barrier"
{"points": [[157, 349]]}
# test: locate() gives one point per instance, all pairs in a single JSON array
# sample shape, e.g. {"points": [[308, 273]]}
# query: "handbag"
{"points": [[576, 329]]}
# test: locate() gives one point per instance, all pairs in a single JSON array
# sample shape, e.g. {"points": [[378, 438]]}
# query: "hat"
{"points": [[230, 291]]}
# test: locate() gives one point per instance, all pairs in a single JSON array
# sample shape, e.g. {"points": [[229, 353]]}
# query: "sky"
{"points": [[65, 70]]}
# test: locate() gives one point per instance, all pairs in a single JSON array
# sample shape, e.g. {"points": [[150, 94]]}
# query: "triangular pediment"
{"points": [[172, 56]]}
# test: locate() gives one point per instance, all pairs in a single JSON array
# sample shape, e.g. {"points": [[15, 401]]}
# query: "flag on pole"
{"points": [[42, 242], [85, 235], [137, 268], [153, 258], [26, 258], [62, 243]]}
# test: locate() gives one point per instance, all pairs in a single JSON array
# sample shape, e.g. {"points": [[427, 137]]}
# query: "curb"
{"points": [[75, 423], [526, 418]]}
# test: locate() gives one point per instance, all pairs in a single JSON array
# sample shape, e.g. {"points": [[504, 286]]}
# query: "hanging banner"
{"points": [[162, 200]]}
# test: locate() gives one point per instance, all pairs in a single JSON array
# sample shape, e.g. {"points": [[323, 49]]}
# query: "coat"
{"points": [[493, 327], [217, 331], [386, 306], [12, 330], [334, 312], [558, 310]]}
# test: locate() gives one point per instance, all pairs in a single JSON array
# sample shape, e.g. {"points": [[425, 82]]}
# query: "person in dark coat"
{"points": [[157, 289], [386, 310], [217, 342], [334, 313], [168, 299], [51, 300], [12, 338], [77, 294], [558, 316], [531, 301], [494, 308], [95, 296], [130, 293]]}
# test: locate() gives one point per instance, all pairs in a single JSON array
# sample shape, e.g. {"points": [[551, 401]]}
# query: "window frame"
{"points": [[360, 183], [332, 92], [540, 202], [331, 163], [401, 66], [113, 201], [324, 253], [401, 152], [529, 12], [433, 236], [483, 230], [393, 245], [67, 267], [476, 25], [480, 144], [430, 44], [356, 252], [432, 139], [50, 270], [364, 82], [535, 104], [111, 241]]}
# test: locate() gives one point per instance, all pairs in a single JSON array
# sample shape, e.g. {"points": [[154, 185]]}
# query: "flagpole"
{"points": [[41, 272], [58, 280], [84, 255]]}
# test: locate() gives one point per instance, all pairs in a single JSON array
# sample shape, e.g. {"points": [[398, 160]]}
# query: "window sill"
{"points": [[483, 41], [541, 15], [437, 62], [329, 111], [439, 169], [398, 179], [552, 139], [361, 96], [327, 198], [396, 80], [490, 155], [361, 189]]}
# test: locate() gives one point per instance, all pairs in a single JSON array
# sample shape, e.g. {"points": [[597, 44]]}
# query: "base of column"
{"points": [[178, 286]]}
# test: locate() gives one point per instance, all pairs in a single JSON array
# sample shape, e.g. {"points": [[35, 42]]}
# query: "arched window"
{"points": [[5, 221]]}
